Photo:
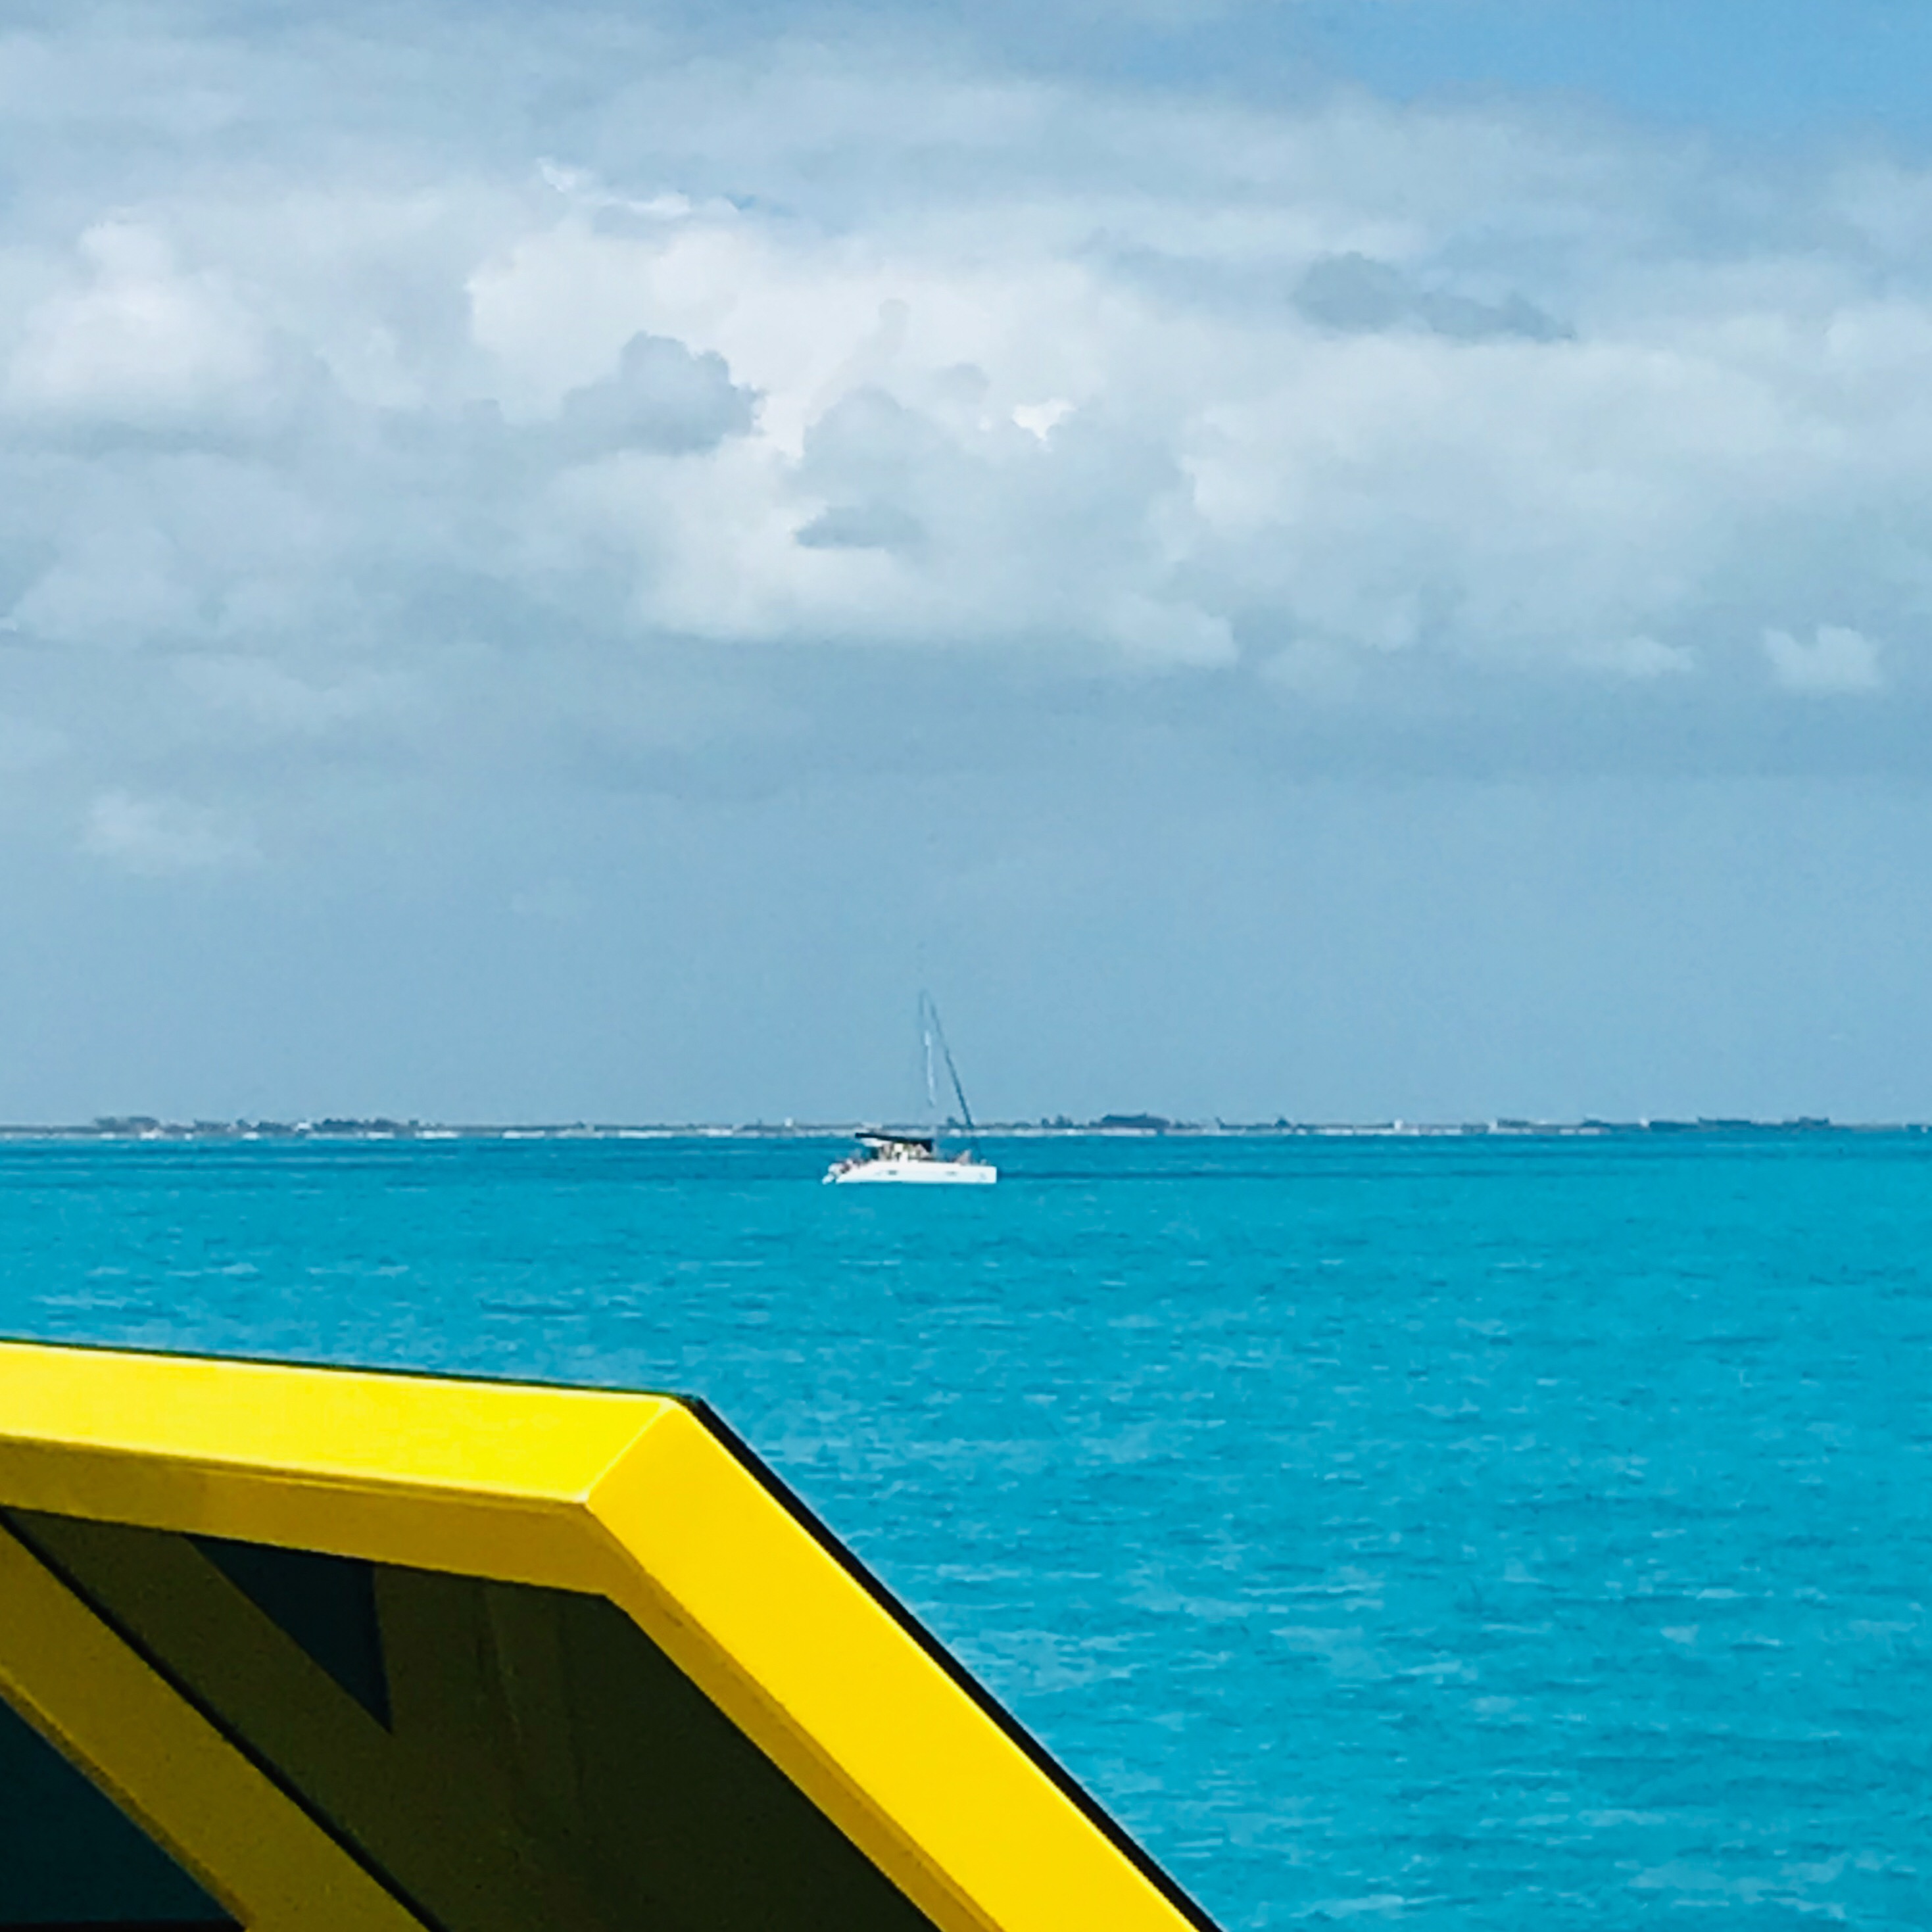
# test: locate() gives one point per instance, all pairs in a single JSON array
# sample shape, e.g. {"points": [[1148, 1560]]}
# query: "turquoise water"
{"points": [[1461, 1534]]}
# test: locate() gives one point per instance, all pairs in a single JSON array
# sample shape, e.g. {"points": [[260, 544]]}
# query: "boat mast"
{"points": [[928, 1016]]}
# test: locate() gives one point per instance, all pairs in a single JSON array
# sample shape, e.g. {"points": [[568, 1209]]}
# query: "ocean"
{"points": [[1472, 1532]]}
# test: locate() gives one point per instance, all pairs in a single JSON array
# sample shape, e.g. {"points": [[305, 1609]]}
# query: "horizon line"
{"points": [[151, 1127]]}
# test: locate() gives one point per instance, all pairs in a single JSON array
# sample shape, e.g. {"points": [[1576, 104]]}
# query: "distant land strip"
{"points": [[145, 1127]]}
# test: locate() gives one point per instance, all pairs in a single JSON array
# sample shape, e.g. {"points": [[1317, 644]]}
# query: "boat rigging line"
{"points": [[930, 1026]]}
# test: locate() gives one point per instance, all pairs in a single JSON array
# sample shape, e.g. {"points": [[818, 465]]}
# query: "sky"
{"points": [[1340, 560]]}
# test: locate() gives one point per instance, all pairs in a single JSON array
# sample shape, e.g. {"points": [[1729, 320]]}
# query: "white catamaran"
{"points": [[916, 1158]]}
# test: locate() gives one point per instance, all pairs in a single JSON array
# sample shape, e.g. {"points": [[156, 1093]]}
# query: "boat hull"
{"points": [[918, 1173]]}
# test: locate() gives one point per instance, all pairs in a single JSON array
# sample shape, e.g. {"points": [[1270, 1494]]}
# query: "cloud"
{"points": [[129, 340], [271, 698], [662, 397], [1639, 657], [116, 584], [1172, 633], [868, 526], [161, 835], [1836, 663], [493, 433], [1359, 296]]}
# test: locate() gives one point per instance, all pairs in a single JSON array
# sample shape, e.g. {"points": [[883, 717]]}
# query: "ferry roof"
{"points": [[365, 1652]]}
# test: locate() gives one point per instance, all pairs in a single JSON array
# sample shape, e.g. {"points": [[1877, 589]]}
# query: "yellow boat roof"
{"points": [[357, 1649]]}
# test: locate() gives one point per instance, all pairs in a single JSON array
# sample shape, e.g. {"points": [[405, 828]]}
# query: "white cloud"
{"points": [[1173, 634], [1039, 418], [1350, 400], [1836, 663], [1642, 658], [159, 836], [135, 339], [660, 397], [269, 698], [114, 585]]}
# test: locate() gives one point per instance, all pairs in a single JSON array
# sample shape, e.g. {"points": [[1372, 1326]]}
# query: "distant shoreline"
{"points": [[1146, 1127]]}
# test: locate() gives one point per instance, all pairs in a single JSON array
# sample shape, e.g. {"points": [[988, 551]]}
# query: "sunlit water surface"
{"points": [[1470, 1534]]}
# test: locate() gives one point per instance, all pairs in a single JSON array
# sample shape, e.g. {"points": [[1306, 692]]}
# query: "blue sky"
{"points": [[1761, 68], [1352, 561], [1750, 68]]}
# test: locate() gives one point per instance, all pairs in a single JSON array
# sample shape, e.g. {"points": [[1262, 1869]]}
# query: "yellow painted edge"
{"points": [[244, 1841], [629, 1496], [504, 1440], [808, 1662]]}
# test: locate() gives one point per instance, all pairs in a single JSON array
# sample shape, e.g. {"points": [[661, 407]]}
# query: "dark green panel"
{"points": [[326, 1603], [545, 1768], [70, 1858], [683, 1822]]}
